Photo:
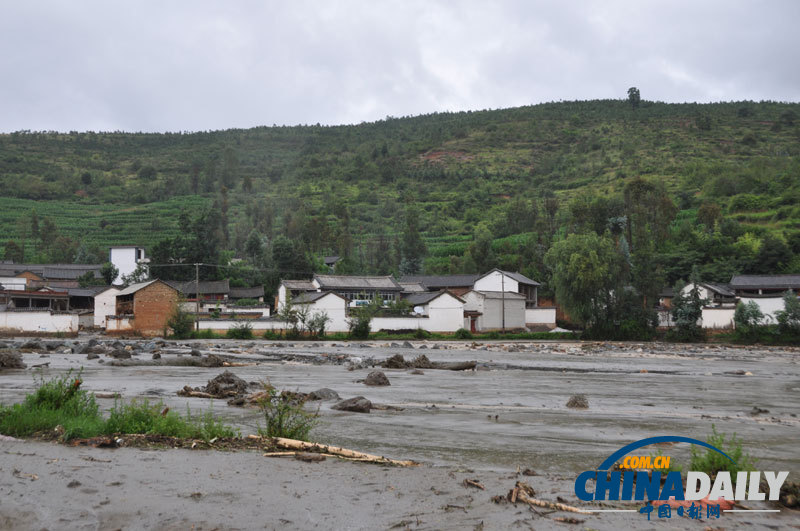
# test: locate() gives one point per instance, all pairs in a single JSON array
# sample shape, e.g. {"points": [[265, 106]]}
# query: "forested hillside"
{"points": [[672, 185]]}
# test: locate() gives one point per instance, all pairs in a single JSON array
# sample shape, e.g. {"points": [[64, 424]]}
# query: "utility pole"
{"points": [[503, 295], [197, 297]]}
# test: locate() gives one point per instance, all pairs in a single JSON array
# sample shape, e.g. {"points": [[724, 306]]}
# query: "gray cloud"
{"points": [[171, 66]]}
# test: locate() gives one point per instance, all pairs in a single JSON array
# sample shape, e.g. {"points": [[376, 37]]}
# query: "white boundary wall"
{"points": [[39, 321], [540, 316], [768, 306], [718, 318]]}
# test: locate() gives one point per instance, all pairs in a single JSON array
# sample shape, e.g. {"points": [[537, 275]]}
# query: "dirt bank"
{"points": [[44, 485]]}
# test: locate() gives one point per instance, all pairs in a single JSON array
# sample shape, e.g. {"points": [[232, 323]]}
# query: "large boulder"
{"points": [[376, 378], [120, 354], [358, 404], [324, 394]]}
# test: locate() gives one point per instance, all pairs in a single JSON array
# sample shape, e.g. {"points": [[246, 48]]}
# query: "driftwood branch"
{"points": [[333, 451], [550, 505]]}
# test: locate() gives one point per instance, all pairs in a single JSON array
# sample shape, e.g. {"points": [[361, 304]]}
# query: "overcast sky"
{"points": [[102, 65]]}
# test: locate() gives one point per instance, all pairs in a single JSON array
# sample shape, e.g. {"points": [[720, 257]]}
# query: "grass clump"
{"points": [[711, 462], [62, 402], [144, 417], [285, 417]]}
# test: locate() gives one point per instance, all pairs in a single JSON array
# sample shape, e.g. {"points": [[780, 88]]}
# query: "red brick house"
{"points": [[143, 309]]}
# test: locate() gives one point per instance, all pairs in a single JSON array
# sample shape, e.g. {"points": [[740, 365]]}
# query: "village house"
{"points": [[143, 308], [766, 291], [497, 281], [356, 290], [43, 310], [720, 300], [493, 310]]}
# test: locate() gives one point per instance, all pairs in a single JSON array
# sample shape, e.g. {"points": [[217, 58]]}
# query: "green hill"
{"points": [[492, 187]]}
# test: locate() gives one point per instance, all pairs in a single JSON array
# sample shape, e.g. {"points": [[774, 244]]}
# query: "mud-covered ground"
{"points": [[510, 413]]}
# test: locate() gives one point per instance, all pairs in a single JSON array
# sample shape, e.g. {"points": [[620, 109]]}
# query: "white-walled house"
{"points": [[432, 311], [125, 258], [485, 310], [105, 304], [333, 305]]}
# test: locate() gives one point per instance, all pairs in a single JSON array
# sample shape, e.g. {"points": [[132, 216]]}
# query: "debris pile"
{"points": [[11, 360], [578, 402], [422, 362], [226, 385]]}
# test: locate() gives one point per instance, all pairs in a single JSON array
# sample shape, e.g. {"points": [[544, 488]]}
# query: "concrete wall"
{"points": [[515, 314], [39, 321], [222, 325], [494, 282], [118, 324], [443, 314], [541, 316], [491, 310], [768, 306], [105, 304], [718, 318], [86, 320]]}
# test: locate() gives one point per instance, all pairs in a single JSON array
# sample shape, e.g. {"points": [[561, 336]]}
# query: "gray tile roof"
{"points": [[86, 292], [206, 286], [412, 287], [311, 296], [519, 277], [133, 288], [53, 271], [420, 299], [522, 279], [299, 285], [339, 282], [765, 282], [247, 293], [441, 281], [722, 289], [69, 273]]}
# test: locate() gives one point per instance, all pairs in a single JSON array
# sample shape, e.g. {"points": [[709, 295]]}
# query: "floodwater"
{"points": [[510, 412]]}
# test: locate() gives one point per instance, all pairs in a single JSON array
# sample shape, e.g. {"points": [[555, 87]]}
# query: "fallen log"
{"points": [[188, 391], [303, 446], [454, 365]]}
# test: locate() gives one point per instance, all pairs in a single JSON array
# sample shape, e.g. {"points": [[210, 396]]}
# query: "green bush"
{"points": [[247, 302], [240, 331], [284, 417], [204, 334], [419, 333], [462, 333], [181, 322], [711, 462], [745, 203], [271, 334]]}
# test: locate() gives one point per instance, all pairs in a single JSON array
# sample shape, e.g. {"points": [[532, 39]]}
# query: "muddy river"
{"points": [[509, 412]]}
